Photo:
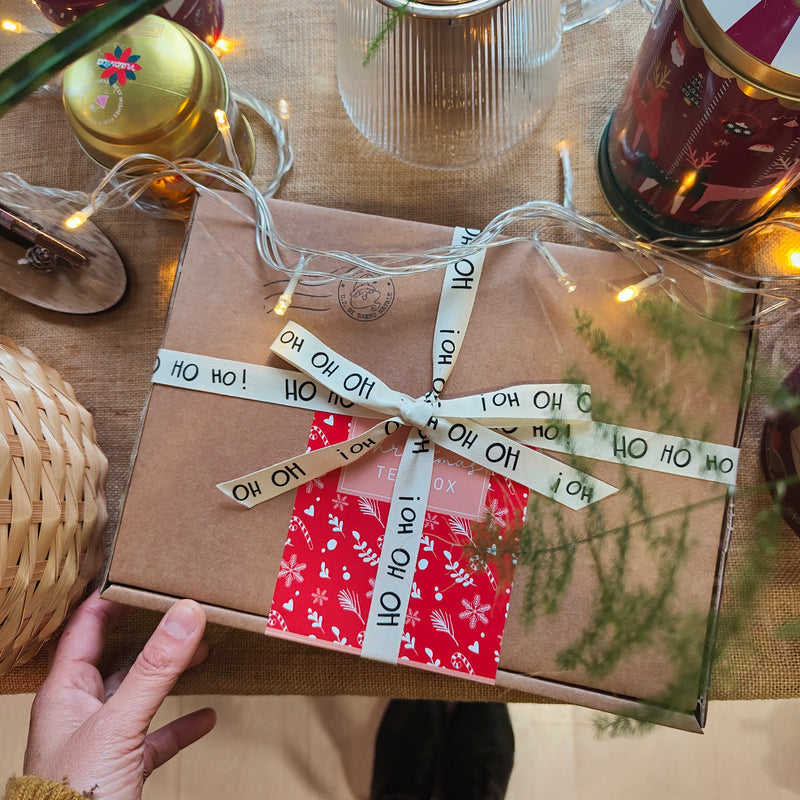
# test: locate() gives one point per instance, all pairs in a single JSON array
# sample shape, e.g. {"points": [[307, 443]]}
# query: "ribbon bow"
{"points": [[428, 421], [448, 423]]}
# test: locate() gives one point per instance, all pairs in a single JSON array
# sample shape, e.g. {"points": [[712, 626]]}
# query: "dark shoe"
{"points": [[408, 750], [479, 755]]}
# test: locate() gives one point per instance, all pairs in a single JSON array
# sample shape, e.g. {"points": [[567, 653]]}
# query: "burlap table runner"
{"points": [[285, 49]]}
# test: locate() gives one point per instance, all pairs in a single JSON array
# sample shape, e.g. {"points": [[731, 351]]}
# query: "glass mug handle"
{"points": [[580, 12]]}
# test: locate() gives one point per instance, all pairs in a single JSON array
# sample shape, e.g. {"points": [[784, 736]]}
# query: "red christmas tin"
{"points": [[706, 139], [202, 17]]}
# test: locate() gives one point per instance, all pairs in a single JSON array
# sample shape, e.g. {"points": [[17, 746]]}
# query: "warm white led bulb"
{"points": [[76, 220], [282, 306], [628, 293], [221, 46], [635, 289], [565, 281], [79, 217], [285, 300], [222, 120]]}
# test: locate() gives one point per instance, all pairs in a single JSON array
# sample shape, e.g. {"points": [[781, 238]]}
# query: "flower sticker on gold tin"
{"points": [[119, 66]]}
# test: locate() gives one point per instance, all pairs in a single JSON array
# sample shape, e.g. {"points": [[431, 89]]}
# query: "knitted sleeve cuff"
{"points": [[29, 787]]}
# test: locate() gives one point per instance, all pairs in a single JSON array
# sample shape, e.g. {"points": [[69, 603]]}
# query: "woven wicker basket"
{"points": [[52, 506]]}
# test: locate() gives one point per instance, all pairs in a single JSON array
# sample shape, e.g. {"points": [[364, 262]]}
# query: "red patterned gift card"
{"points": [[464, 568]]}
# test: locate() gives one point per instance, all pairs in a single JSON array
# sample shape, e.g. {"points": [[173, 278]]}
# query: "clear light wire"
{"points": [[131, 177]]}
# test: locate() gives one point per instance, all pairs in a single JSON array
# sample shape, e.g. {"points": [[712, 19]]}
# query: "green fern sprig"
{"points": [[626, 616], [629, 368], [393, 16]]}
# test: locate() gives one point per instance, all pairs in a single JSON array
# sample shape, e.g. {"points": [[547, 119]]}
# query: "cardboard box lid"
{"points": [[616, 591]]}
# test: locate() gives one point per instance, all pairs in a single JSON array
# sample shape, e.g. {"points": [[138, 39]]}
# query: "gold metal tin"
{"points": [[153, 88], [707, 33]]}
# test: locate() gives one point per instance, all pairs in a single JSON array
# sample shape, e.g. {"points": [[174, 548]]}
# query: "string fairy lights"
{"points": [[13, 26], [660, 267], [224, 128], [778, 294]]}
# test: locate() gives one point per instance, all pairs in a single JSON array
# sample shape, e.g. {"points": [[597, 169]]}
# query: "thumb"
{"points": [[166, 655]]}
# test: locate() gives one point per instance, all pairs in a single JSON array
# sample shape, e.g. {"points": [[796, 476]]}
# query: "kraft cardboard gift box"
{"points": [[590, 617]]}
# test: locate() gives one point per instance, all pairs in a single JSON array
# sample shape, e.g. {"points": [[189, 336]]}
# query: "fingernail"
{"points": [[181, 621]]}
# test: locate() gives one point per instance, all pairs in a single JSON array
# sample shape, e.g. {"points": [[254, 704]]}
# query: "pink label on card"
{"points": [[457, 487], [464, 570]]}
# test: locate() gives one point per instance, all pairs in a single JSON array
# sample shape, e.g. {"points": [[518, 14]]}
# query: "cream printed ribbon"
{"points": [[249, 381], [554, 403], [530, 402], [676, 455], [462, 436]]}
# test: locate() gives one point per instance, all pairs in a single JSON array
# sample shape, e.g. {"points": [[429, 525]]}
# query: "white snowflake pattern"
{"points": [[475, 611], [412, 618], [290, 570], [319, 597], [339, 502], [431, 520], [496, 517]]}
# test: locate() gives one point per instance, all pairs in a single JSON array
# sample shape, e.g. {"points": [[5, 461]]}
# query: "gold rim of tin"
{"points": [[444, 9], [742, 64]]}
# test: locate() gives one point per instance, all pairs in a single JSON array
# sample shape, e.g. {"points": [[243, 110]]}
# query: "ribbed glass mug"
{"points": [[447, 83]]}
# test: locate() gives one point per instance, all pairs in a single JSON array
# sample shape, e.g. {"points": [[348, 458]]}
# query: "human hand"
{"points": [[92, 732]]}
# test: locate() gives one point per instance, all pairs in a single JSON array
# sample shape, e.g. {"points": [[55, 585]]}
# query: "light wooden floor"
{"points": [[321, 749]]}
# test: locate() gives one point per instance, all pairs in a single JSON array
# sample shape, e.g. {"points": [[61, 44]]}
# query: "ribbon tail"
{"points": [[264, 484], [529, 403], [503, 456], [394, 579]]}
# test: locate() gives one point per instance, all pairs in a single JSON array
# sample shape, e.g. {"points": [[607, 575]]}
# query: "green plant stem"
{"points": [[29, 72], [389, 24]]}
